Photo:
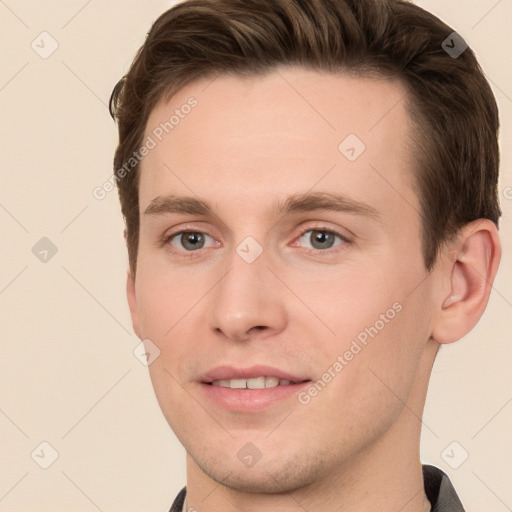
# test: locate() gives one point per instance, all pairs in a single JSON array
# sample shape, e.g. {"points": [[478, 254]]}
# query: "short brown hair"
{"points": [[450, 102]]}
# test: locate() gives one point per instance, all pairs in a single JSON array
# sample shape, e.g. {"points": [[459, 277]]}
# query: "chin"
{"points": [[278, 475]]}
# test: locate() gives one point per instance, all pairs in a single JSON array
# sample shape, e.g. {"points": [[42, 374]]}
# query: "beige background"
{"points": [[68, 373]]}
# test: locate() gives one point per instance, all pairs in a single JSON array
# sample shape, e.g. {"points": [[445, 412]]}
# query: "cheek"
{"points": [[387, 365], [171, 309], [378, 327], [347, 302], [164, 300]]}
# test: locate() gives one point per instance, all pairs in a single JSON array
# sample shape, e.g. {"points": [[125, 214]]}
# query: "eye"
{"points": [[191, 240], [321, 239]]}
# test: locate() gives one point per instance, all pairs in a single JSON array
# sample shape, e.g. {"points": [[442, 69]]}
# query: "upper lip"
{"points": [[226, 372]]}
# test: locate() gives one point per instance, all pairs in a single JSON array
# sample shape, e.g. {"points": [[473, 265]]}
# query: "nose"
{"points": [[248, 302]]}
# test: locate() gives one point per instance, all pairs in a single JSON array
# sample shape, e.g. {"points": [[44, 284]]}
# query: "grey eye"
{"points": [[189, 240], [319, 239]]}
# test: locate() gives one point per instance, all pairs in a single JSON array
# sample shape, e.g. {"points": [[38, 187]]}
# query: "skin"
{"points": [[248, 144]]}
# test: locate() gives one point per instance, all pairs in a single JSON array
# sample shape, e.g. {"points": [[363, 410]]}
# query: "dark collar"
{"points": [[177, 506], [440, 491], [438, 488]]}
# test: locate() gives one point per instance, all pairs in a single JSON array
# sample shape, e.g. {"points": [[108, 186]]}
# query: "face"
{"points": [[280, 244]]}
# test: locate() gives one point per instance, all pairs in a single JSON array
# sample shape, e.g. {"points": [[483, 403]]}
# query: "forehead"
{"points": [[291, 130]]}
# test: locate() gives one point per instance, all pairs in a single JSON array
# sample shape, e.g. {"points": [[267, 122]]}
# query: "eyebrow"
{"points": [[297, 203]]}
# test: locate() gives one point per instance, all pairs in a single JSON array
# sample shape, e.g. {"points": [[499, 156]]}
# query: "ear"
{"points": [[132, 302], [469, 268]]}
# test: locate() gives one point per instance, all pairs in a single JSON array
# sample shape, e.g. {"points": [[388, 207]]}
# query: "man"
{"points": [[309, 189]]}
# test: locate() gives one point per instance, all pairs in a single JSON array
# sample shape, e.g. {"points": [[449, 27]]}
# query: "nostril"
{"points": [[259, 328]]}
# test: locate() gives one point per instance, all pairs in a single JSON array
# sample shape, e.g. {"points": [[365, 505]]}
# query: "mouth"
{"points": [[262, 382], [250, 389], [254, 377]]}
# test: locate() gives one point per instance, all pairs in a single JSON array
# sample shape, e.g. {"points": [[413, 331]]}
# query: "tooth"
{"points": [[256, 383], [238, 383], [252, 383], [271, 382], [224, 383]]}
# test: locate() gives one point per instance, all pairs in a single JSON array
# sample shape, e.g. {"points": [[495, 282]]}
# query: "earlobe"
{"points": [[132, 303], [470, 269]]}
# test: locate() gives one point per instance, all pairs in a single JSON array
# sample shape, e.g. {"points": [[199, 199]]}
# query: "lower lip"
{"points": [[250, 400]]}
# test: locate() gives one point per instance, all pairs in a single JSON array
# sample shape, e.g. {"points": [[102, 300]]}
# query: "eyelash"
{"points": [[167, 239]]}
